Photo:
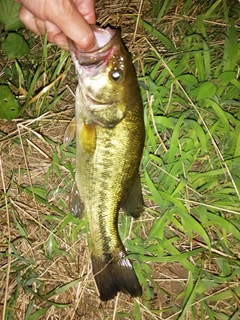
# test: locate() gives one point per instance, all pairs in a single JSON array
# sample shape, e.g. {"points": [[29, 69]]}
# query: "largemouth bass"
{"points": [[109, 144]]}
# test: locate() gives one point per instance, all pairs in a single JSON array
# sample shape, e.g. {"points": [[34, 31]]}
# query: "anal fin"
{"points": [[133, 204]]}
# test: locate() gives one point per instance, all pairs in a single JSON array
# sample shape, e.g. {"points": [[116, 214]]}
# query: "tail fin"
{"points": [[114, 276]]}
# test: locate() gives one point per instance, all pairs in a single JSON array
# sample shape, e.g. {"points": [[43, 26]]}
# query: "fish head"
{"points": [[106, 77]]}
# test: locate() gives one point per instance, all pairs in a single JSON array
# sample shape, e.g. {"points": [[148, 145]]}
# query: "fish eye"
{"points": [[116, 75]]}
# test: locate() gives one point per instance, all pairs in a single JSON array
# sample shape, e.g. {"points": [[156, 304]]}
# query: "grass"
{"points": [[186, 246]]}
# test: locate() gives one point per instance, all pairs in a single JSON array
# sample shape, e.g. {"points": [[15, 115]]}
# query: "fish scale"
{"points": [[109, 144]]}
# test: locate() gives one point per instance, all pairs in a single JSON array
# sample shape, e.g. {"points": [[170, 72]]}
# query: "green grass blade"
{"points": [[164, 8], [199, 66], [231, 48], [212, 9], [153, 31], [190, 292], [36, 315]]}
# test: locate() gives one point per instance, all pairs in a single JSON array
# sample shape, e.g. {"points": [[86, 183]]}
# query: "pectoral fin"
{"points": [[133, 204], [70, 133], [76, 205]]}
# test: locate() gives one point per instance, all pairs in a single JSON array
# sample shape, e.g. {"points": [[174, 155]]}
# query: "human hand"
{"points": [[61, 19]]}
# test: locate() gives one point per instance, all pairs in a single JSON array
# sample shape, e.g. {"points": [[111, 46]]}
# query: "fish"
{"points": [[109, 145]]}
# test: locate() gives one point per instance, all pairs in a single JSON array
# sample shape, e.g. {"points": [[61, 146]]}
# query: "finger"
{"points": [[52, 30], [61, 40], [73, 25], [87, 9], [28, 20], [40, 26]]}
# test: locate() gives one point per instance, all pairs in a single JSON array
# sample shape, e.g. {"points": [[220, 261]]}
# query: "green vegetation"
{"points": [[26, 82], [186, 245]]}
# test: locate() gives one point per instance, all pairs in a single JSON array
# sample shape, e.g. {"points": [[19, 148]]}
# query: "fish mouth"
{"points": [[106, 39]]}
